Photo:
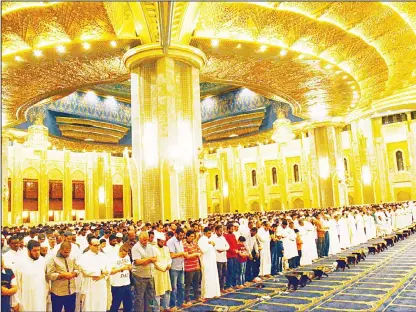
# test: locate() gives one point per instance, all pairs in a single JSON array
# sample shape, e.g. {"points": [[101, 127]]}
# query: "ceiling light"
{"points": [[37, 53], [113, 43], [328, 66], [301, 57], [60, 49], [338, 72], [17, 58], [263, 48], [86, 45], [215, 43], [238, 46], [344, 77], [353, 87], [233, 135], [89, 140], [283, 52]]}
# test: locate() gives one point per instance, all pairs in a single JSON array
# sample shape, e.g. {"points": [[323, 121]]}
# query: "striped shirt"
{"points": [[191, 264]]}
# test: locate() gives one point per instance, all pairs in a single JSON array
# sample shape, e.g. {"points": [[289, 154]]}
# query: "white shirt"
{"points": [[11, 258], [120, 278], [220, 244]]}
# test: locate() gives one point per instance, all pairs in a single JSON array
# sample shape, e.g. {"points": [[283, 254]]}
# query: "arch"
{"points": [[276, 205], [77, 175], [255, 206], [217, 182], [399, 161], [296, 173], [403, 196], [298, 203], [55, 174], [274, 176], [253, 178], [350, 200], [117, 179], [217, 208], [30, 173]]}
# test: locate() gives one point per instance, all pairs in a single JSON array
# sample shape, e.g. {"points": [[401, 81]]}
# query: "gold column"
{"points": [[282, 175], [17, 186], [67, 185], [313, 171], [127, 204], [6, 193], [224, 185], [99, 185], [239, 182], [261, 180], [411, 139], [91, 193], [166, 123], [108, 186], [305, 171], [43, 188]]}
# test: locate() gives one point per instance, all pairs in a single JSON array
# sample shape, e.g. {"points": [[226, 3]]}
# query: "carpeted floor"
{"points": [[383, 282]]}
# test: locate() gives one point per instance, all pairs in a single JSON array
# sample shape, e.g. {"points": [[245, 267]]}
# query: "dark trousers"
{"points": [[252, 269], [320, 246], [292, 262], [297, 263], [121, 294], [145, 293], [192, 279], [66, 302], [277, 264], [326, 244], [231, 272], [222, 273]]}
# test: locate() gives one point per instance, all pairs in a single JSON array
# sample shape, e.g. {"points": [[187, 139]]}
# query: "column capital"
{"points": [[185, 53]]}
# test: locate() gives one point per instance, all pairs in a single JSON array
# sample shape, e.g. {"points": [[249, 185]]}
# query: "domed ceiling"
{"points": [[327, 60]]}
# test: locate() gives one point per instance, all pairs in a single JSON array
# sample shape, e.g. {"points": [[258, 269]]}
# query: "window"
{"points": [[296, 173], [274, 175], [345, 166], [117, 201], [413, 115], [346, 128], [399, 161], [30, 195], [78, 195], [393, 118], [55, 195], [216, 182], [254, 178]]}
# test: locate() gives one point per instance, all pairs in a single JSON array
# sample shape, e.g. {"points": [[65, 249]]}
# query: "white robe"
{"points": [[362, 238], [344, 234], [31, 283], [290, 248], [351, 222], [334, 246], [210, 284], [306, 258], [95, 292], [11, 258], [265, 255]]}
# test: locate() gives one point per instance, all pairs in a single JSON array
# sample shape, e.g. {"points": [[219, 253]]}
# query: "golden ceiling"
{"points": [[337, 56]]}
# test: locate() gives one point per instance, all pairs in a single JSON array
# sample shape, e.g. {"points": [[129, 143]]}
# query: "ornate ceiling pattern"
{"points": [[341, 57]]}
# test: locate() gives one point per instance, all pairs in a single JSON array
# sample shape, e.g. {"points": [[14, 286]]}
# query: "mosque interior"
{"points": [[173, 110]]}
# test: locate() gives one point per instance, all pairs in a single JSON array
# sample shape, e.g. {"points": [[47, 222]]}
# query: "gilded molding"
{"points": [[233, 119], [92, 123]]}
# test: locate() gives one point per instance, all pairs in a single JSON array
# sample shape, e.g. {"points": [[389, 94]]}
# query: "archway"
{"points": [[403, 196], [255, 206], [276, 205], [350, 200], [298, 203]]}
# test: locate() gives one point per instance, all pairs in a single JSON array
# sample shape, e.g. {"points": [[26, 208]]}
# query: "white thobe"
{"points": [[353, 230], [11, 258], [344, 234], [290, 248], [362, 238], [306, 258], [265, 255], [95, 292], [334, 246], [210, 285], [31, 283]]}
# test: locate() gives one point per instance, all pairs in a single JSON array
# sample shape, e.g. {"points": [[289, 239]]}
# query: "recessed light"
{"points": [[328, 66], [238, 46], [353, 87], [344, 77], [17, 58], [60, 49], [37, 53], [301, 57], [215, 43], [89, 140], [113, 43], [263, 48], [86, 45], [283, 52]]}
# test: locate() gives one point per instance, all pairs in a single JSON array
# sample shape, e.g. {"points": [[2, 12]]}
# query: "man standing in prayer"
{"points": [[162, 279], [210, 283], [192, 267], [231, 257], [265, 256], [144, 257], [61, 270], [120, 266], [31, 281], [221, 246], [14, 254], [93, 265], [177, 273]]}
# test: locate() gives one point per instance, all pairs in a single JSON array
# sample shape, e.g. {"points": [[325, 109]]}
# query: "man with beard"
{"points": [[31, 281]]}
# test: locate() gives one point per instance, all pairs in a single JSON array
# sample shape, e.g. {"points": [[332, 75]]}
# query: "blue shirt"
{"points": [[176, 246]]}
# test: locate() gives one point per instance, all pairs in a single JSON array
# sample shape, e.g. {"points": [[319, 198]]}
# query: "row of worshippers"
{"points": [[164, 262]]}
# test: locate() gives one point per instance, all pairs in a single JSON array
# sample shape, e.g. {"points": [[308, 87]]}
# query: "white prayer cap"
{"points": [[119, 235], [160, 236], [44, 245], [236, 224], [93, 228]]}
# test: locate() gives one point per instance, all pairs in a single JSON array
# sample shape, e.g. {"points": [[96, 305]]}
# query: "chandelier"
{"points": [[38, 137], [282, 129]]}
